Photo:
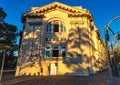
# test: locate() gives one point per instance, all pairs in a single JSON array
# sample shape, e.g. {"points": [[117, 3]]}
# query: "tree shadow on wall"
{"points": [[78, 41], [80, 45]]}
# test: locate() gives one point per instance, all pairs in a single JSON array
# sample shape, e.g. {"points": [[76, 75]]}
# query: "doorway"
{"points": [[53, 69]]}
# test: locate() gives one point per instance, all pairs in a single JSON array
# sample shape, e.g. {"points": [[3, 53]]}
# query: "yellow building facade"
{"points": [[58, 39]]}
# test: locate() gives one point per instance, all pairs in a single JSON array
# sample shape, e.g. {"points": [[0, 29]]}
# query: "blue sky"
{"points": [[102, 10]]}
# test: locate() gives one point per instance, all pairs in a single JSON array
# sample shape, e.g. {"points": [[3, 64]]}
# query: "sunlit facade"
{"points": [[58, 39]]}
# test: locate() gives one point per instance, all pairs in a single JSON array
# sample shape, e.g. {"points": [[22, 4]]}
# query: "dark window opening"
{"points": [[56, 28], [55, 53], [47, 39]]}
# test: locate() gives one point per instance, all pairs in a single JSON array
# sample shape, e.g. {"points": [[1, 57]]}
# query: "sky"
{"points": [[102, 10]]}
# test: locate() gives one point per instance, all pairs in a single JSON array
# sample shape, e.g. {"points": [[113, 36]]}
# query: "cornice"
{"points": [[72, 11], [53, 6], [26, 16]]}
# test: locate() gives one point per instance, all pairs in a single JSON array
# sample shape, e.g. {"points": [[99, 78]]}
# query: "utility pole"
{"points": [[108, 54], [107, 27]]}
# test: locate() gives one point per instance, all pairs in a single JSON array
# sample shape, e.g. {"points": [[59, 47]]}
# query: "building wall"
{"points": [[99, 52], [79, 40]]}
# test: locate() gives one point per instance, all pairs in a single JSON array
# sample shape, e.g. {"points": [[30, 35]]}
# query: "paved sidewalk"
{"points": [[102, 78]]}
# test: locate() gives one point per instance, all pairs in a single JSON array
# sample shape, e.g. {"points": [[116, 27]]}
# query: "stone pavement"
{"points": [[101, 78]]}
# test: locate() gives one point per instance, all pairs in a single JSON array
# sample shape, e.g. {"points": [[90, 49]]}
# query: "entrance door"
{"points": [[53, 69]]}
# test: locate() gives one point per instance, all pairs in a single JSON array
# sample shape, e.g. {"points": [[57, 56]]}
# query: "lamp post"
{"points": [[108, 54], [106, 29]]}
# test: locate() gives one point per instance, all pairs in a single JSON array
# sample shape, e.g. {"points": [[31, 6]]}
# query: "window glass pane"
{"points": [[46, 39], [49, 29], [63, 47], [47, 53], [63, 29], [31, 23], [55, 47], [64, 53], [56, 27]]}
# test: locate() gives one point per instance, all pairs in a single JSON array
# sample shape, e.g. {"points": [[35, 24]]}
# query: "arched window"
{"points": [[49, 28], [63, 29], [55, 26]]}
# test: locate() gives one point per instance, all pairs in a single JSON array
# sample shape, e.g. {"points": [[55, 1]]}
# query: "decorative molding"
{"points": [[27, 16], [76, 22], [38, 12]]}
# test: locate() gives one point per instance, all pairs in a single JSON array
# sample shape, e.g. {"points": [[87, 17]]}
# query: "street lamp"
{"points": [[107, 27], [108, 54]]}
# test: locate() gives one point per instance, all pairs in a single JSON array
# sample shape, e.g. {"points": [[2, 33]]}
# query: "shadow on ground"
{"points": [[102, 78]]}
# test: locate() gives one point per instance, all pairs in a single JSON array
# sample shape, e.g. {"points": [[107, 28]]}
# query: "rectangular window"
{"points": [[55, 53], [63, 50], [63, 53], [47, 52]]}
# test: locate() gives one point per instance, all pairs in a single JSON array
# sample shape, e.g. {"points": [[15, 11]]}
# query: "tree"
{"points": [[2, 15], [8, 35], [117, 55]]}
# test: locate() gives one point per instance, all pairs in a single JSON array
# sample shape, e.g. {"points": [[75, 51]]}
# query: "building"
{"points": [[58, 39]]}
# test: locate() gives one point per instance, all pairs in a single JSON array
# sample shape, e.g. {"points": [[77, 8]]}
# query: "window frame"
{"points": [[48, 50], [63, 50]]}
